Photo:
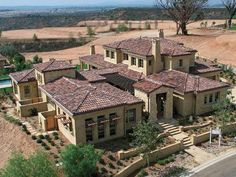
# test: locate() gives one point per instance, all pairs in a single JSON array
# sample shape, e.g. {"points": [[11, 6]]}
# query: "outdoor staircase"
{"points": [[175, 132]]}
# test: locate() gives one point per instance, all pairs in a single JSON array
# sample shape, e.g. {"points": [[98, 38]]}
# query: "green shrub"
{"points": [[119, 163], [111, 165], [27, 132], [122, 28], [166, 160], [142, 173], [39, 141], [147, 25], [43, 144], [33, 137], [33, 112], [111, 157], [173, 172], [47, 147], [41, 137], [46, 137], [55, 134], [102, 161]]}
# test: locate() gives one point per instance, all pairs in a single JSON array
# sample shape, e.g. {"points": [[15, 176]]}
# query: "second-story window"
{"points": [[101, 127], [133, 61], [180, 63], [27, 90], [205, 100], [112, 55], [125, 56], [131, 116], [217, 96], [107, 53], [150, 62], [211, 98], [140, 63]]}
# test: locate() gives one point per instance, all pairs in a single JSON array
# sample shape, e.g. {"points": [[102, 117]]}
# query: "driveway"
{"points": [[222, 168]]}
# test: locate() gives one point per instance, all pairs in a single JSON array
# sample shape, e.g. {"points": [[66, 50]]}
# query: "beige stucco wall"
{"points": [[21, 94], [25, 110], [117, 56], [150, 102], [51, 76], [202, 108]]}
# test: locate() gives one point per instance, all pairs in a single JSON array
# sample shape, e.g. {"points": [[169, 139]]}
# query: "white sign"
{"points": [[216, 131]]}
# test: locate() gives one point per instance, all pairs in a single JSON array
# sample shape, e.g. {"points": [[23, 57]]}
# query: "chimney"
{"points": [[92, 49], [161, 33], [156, 52]]}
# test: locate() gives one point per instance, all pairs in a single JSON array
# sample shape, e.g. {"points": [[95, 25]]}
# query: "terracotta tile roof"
{"points": [[97, 60], [23, 76], [81, 96], [122, 69], [143, 47], [204, 67], [182, 82], [53, 65]]}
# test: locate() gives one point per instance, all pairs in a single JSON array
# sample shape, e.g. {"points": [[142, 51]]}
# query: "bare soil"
{"points": [[12, 139]]}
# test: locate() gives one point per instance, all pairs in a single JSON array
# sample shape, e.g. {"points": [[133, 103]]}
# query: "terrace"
{"points": [[31, 107]]}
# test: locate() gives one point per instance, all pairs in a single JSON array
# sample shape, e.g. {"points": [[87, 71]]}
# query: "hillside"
{"points": [[40, 20]]}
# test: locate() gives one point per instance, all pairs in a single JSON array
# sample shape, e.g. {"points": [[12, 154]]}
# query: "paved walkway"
{"points": [[199, 155]]}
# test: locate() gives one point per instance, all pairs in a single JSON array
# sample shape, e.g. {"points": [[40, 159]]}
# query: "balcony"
{"points": [[30, 107]]}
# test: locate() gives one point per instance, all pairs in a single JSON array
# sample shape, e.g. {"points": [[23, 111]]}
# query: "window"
{"points": [[180, 63], [140, 63], [205, 100], [39, 78], [125, 56], [211, 98], [133, 61], [112, 55], [101, 127], [131, 115], [112, 124], [107, 53], [27, 90], [58, 110], [89, 131], [217, 96], [150, 62]]}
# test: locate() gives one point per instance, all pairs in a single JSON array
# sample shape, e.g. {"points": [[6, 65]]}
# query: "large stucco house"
{"points": [[106, 101]]}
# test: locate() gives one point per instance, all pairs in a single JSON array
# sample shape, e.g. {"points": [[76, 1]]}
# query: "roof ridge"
{"points": [[88, 92], [50, 63], [26, 74]]}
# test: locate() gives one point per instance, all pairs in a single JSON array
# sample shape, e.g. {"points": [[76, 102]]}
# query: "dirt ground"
{"points": [[220, 44], [12, 139]]}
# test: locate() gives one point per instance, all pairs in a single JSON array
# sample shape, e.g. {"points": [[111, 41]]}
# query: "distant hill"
{"points": [[71, 17]]}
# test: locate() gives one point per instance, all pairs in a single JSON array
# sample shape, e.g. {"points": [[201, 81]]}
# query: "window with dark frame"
{"points": [[101, 127], [131, 116], [205, 100], [133, 61], [107, 53], [180, 63], [112, 124], [125, 56], [27, 90], [211, 98], [150, 62], [217, 96], [89, 131], [112, 55], [140, 63]]}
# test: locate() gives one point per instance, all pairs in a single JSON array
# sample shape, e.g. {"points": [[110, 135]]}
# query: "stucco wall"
{"points": [[25, 110], [150, 102], [51, 76], [212, 75]]}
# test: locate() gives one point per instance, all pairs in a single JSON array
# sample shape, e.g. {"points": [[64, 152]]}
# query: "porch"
{"points": [[31, 107]]}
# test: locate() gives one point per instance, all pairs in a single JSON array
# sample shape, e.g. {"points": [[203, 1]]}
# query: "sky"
{"points": [[81, 2]]}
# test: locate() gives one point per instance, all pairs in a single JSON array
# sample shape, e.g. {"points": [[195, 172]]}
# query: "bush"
{"points": [[41, 137], [12, 120], [102, 161], [52, 143], [56, 137], [119, 163], [104, 170], [46, 137], [122, 28], [33, 112], [142, 173], [173, 171], [27, 132], [39, 141], [147, 26], [43, 144], [33, 137], [111, 165], [55, 134], [90, 31], [111, 157], [47, 147], [166, 160]]}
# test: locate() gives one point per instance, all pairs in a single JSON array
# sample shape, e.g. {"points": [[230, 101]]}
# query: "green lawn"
{"points": [[4, 77]]}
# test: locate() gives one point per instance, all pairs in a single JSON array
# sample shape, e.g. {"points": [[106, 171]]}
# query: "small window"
{"points": [[150, 62], [58, 110], [107, 53], [180, 63], [131, 116], [140, 63], [133, 61], [217, 96], [125, 56], [27, 89], [89, 131], [205, 100], [211, 98], [112, 124], [112, 55], [101, 127]]}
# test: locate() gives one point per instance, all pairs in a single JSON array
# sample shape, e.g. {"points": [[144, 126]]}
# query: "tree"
{"points": [[230, 5], [122, 28], [145, 138], [37, 165], [79, 160], [37, 59], [183, 12], [90, 31], [223, 110], [35, 37]]}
